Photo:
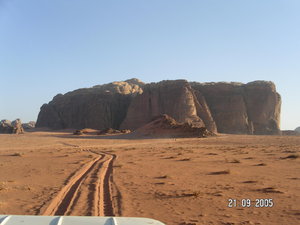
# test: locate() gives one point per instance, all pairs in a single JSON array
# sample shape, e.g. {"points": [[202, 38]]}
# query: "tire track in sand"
{"points": [[88, 192]]}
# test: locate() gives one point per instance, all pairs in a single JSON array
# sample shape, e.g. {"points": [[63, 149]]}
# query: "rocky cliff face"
{"points": [[174, 98], [252, 108], [98, 107], [263, 107]]}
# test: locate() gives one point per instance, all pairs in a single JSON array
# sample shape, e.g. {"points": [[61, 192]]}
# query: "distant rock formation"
{"points": [[28, 126], [252, 108], [8, 127], [297, 129], [290, 133]]}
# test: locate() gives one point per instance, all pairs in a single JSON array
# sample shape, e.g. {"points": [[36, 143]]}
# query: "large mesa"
{"points": [[252, 108]]}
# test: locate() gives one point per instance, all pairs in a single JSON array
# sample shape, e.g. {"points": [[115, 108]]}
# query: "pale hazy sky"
{"points": [[50, 47]]}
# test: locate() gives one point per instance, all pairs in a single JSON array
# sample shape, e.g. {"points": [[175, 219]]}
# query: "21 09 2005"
{"points": [[247, 203]]}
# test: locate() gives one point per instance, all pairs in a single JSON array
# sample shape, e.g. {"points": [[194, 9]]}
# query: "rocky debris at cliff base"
{"points": [[78, 132], [164, 126], [14, 127], [113, 131], [87, 131], [290, 133], [107, 131]]}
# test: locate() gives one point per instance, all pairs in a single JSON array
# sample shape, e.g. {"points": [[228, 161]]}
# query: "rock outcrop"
{"points": [[28, 126], [290, 133], [98, 107], [109, 131], [86, 131], [297, 129], [8, 127], [174, 98], [164, 126], [252, 108]]}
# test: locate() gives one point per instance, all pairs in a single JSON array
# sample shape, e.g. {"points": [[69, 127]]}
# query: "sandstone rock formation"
{"points": [[8, 127], [164, 126], [252, 108], [17, 126], [290, 133], [28, 126], [98, 107], [175, 98]]}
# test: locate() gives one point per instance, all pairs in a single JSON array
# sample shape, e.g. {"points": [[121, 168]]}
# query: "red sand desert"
{"points": [[183, 181]]}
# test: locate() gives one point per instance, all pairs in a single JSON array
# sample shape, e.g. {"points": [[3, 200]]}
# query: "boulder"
{"points": [[17, 126], [78, 132], [125, 131], [109, 131], [87, 131]]}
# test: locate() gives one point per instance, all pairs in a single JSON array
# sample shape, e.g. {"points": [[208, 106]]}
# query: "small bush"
{"points": [[220, 172], [235, 161], [292, 156]]}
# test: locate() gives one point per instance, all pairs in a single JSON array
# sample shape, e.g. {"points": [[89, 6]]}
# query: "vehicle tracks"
{"points": [[88, 191]]}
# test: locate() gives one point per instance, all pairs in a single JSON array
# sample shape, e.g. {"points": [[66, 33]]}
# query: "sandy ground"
{"points": [[176, 181]]}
